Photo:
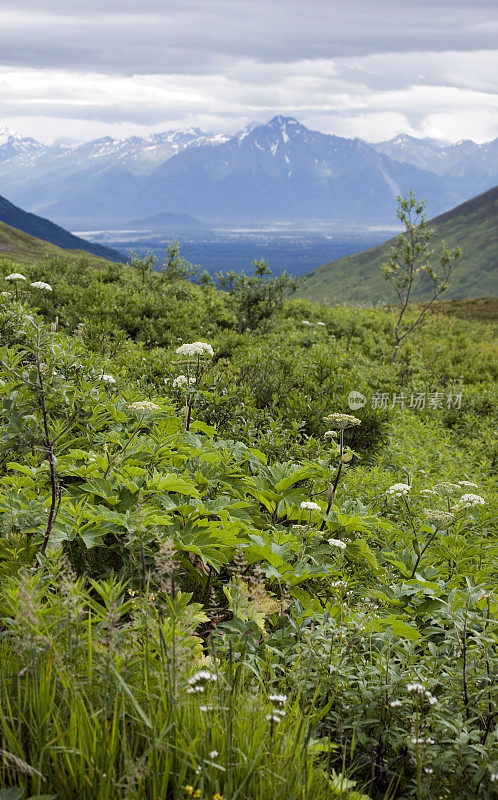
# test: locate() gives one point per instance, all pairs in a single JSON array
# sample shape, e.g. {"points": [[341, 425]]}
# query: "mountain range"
{"points": [[278, 171]]}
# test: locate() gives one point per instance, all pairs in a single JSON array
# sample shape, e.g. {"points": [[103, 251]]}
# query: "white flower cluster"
{"points": [[399, 489], [278, 701], [396, 703], [182, 380], [440, 519], [195, 349], [41, 285], [469, 500], [337, 543], [144, 407], [107, 378], [197, 682], [342, 421], [447, 488], [417, 688], [330, 434], [15, 276], [308, 505], [421, 740], [469, 484]]}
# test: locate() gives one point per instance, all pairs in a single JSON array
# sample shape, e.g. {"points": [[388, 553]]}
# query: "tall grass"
{"points": [[97, 704]]}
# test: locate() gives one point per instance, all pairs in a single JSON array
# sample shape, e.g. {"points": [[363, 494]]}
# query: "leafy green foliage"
{"points": [[256, 297], [174, 550]]}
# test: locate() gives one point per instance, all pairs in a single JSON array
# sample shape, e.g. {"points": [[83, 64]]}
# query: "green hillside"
{"points": [[243, 563], [47, 230], [20, 247], [472, 226]]}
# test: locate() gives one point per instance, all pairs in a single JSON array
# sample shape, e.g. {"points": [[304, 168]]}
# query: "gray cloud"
{"points": [[355, 67], [194, 36]]}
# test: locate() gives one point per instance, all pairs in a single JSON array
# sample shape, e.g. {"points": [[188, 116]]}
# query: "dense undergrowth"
{"points": [[204, 595]]}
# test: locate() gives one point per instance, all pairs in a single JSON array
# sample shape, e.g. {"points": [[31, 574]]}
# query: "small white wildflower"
{"points": [[203, 676], [337, 543], [144, 407], [195, 349], [416, 688], [469, 500], [447, 489], [273, 718], [205, 709], [494, 777], [469, 484], [305, 322], [338, 585], [278, 699], [342, 421], [213, 754], [15, 276], [396, 703], [41, 285], [321, 323], [431, 699], [5, 294], [180, 381], [427, 491], [440, 519], [308, 505], [399, 489], [330, 434], [107, 378], [428, 770]]}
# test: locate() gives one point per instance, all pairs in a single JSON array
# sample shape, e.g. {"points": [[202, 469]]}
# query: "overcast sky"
{"points": [[368, 68]]}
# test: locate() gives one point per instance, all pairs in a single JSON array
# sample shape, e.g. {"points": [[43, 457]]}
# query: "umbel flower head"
{"points": [[195, 349], [108, 378], [469, 500], [15, 276], [182, 380], [447, 489], [342, 421], [337, 543], [330, 434], [144, 407], [308, 505], [440, 519], [41, 285], [399, 489]]}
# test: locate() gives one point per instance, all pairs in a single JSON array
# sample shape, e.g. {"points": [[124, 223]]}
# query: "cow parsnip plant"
{"points": [[217, 579]]}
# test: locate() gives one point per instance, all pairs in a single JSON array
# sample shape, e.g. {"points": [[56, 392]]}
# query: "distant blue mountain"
{"points": [[283, 171], [280, 171]]}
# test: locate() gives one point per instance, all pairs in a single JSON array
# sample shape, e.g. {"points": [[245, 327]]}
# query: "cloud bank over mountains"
{"points": [[355, 68]]}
